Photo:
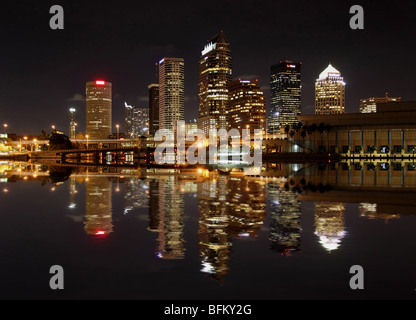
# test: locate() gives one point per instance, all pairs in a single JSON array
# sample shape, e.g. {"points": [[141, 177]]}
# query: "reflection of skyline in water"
{"points": [[330, 224], [230, 207], [285, 224], [98, 206]]}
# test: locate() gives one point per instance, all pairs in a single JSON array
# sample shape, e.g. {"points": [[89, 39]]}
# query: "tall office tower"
{"points": [[247, 106], [214, 76], [72, 123], [128, 120], [171, 92], [99, 109], [285, 95], [136, 121], [153, 108], [330, 92], [369, 105]]}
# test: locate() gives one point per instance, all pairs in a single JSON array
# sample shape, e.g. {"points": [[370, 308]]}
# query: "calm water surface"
{"points": [[292, 233]]}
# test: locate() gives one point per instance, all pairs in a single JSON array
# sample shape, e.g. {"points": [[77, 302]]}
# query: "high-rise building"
{"points": [[247, 106], [369, 105], [171, 92], [136, 121], [285, 95], [214, 76], [72, 123], [99, 109], [330, 92], [153, 108]]}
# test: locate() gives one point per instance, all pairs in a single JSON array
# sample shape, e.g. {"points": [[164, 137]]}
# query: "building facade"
{"points": [[330, 92], [369, 105], [153, 108], [214, 76], [136, 121], [171, 92], [247, 106], [391, 131], [98, 109], [285, 95]]}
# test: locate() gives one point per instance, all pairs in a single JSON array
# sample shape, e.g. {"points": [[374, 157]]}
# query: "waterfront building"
{"points": [[247, 106], [285, 95], [391, 131], [171, 92], [369, 105], [330, 92], [214, 76], [153, 108], [98, 109]]}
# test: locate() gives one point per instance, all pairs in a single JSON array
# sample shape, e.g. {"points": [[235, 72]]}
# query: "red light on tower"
{"points": [[100, 83]]}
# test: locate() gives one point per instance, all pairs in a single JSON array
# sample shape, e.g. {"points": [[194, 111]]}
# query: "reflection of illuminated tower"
{"points": [[72, 123], [214, 238], [369, 210], [98, 216], [171, 212], [247, 206], [136, 195], [329, 224], [285, 211], [72, 193], [153, 205]]}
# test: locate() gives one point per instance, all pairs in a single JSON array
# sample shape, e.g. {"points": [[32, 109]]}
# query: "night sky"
{"points": [[43, 71]]}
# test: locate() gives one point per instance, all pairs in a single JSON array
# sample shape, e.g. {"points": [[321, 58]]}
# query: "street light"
{"points": [[118, 130], [54, 128], [5, 127], [87, 136]]}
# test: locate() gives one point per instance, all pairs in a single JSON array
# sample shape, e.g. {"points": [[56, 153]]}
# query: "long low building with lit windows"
{"points": [[391, 131]]}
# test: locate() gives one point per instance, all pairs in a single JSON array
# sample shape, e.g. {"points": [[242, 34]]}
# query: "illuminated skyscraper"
{"points": [[153, 108], [369, 105], [214, 76], [285, 95], [99, 109], [330, 92], [72, 124], [247, 106], [136, 121], [171, 92]]}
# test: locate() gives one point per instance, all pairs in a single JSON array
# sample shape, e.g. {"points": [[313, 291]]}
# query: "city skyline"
{"points": [[128, 55]]}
